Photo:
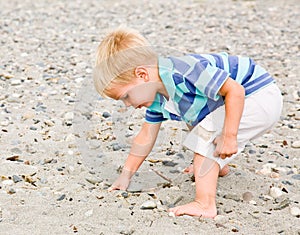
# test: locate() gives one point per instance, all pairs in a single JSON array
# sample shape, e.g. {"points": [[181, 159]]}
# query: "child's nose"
{"points": [[127, 104]]}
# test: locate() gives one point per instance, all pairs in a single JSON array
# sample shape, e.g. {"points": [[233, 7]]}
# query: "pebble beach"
{"points": [[62, 145]]}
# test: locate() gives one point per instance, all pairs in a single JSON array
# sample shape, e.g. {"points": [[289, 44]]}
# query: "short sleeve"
{"points": [[154, 117]]}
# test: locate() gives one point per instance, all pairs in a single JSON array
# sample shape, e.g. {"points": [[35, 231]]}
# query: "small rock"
{"points": [[227, 210], [169, 163], [274, 175], [275, 192], [62, 197], [296, 144], [4, 123], [124, 194], [116, 147], [68, 118], [89, 213], [296, 177], [6, 75], [295, 211], [267, 169], [15, 82], [106, 114], [252, 202], [14, 98], [13, 158], [128, 231], [33, 128], [148, 205], [11, 191], [16, 179], [221, 219], [7, 182], [247, 196], [283, 204], [49, 123], [286, 182], [235, 229], [171, 214], [266, 197], [93, 180]]}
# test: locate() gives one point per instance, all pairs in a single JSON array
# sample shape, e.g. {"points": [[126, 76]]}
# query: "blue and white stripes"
{"points": [[193, 82]]}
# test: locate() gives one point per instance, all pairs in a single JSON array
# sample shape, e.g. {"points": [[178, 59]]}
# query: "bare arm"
{"points": [[141, 147], [234, 94]]}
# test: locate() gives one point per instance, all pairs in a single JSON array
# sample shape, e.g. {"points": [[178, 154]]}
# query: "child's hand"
{"points": [[123, 180], [121, 183], [225, 146]]}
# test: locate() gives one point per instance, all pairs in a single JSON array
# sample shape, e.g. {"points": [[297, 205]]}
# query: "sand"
{"points": [[62, 145]]}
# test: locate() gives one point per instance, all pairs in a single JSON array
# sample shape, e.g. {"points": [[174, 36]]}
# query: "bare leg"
{"points": [[223, 172], [206, 176]]}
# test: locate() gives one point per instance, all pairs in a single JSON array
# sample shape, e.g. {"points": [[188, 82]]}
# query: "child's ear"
{"points": [[142, 72]]}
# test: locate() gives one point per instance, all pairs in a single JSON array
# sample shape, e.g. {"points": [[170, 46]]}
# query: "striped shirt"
{"points": [[193, 82]]}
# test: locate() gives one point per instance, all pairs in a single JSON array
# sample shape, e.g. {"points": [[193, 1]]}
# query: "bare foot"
{"points": [[195, 209], [189, 169], [225, 170]]}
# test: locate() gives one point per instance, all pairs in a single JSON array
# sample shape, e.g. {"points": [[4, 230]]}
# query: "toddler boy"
{"points": [[225, 101]]}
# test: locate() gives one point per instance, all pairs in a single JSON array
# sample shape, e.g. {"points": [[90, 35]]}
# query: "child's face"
{"points": [[138, 94]]}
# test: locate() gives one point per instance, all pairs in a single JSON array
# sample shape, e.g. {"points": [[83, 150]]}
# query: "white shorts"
{"points": [[261, 112]]}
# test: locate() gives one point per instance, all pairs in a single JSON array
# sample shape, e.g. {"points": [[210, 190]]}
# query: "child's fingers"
{"points": [[215, 140], [112, 188]]}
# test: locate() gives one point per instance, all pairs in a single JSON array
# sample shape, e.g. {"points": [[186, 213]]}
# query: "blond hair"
{"points": [[118, 55]]}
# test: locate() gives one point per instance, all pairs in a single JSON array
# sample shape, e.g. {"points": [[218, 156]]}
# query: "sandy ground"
{"points": [[62, 146]]}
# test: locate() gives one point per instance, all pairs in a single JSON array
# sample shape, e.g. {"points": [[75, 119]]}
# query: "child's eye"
{"points": [[125, 97]]}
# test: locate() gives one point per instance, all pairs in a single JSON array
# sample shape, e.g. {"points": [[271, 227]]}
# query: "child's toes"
{"points": [[174, 210]]}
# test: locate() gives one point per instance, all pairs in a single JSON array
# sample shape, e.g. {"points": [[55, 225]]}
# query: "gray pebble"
{"points": [[180, 155], [124, 194], [62, 197], [106, 114], [286, 182], [169, 163], [33, 128], [247, 196], [296, 177], [16, 179], [116, 147]]}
